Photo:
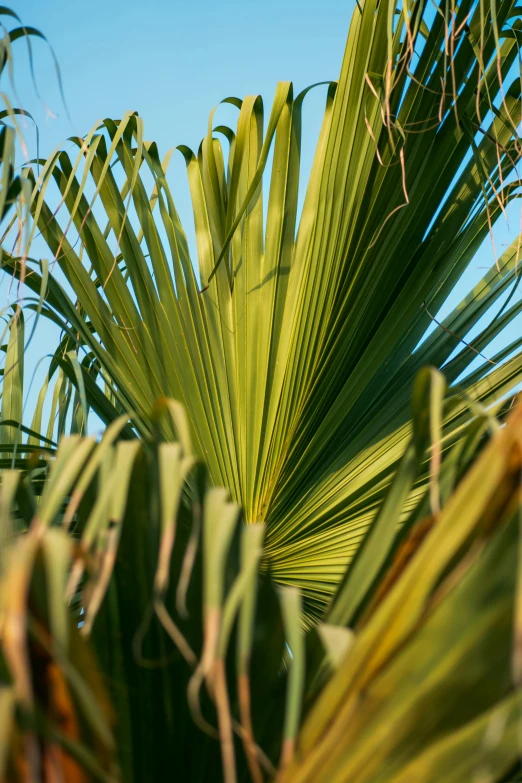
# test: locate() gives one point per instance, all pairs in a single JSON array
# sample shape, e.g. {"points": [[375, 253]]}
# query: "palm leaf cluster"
{"points": [[294, 340], [294, 553], [171, 638]]}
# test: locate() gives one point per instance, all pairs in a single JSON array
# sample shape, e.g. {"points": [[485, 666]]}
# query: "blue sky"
{"points": [[173, 62]]}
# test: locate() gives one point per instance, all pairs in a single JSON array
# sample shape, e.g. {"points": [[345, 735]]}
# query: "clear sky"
{"points": [[173, 62]]}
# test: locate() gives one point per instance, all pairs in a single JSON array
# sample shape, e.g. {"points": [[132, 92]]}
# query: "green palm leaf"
{"points": [[294, 343]]}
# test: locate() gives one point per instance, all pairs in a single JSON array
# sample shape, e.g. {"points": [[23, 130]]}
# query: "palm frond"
{"points": [[294, 343]]}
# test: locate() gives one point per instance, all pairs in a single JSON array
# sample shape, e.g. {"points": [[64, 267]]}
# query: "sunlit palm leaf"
{"points": [[296, 359]]}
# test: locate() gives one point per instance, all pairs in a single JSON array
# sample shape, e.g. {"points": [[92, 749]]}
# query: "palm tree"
{"points": [[293, 346], [294, 343]]}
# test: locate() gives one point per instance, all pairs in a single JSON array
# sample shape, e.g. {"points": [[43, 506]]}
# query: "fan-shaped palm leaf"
{"points": [[295, 343]]}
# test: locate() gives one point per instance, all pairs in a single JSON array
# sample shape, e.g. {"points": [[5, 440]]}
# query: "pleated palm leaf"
{"points": [[294, 340]]}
